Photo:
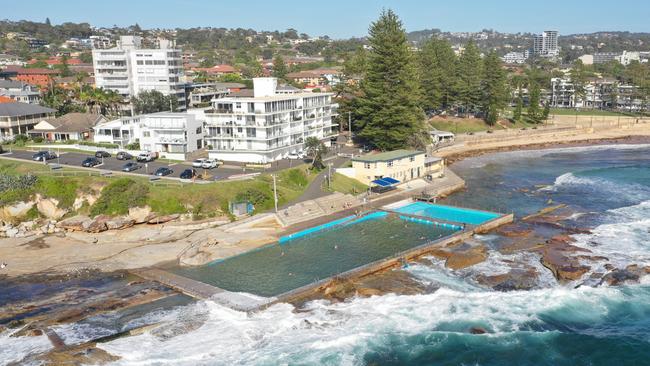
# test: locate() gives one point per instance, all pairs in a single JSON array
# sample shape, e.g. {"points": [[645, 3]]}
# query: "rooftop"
{"points": [[22, 109], [388, 156], [75, 122]]}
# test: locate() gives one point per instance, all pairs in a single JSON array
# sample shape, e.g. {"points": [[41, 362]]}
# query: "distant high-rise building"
{"points": [[130, 69], [546, 44]]}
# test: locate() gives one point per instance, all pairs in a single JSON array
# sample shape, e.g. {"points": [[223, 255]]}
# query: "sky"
{"points": [[344, 18]]}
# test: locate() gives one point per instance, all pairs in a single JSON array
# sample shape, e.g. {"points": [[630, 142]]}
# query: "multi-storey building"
{"points": [[514, 58], [171, 135], [546, 44], [267, 126], [599, 93], [130, 69]]}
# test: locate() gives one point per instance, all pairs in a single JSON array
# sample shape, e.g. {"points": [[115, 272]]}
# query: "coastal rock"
{"points": [[163, 219], [557, 256], [96, 225], [11, 233], [86, 198], [48, 207], [631, 274], [17, 210], [140, 215], [119, 223], [75, 223], [513, 231], [466, 258], [367, 292], [477, 330], [511, 281]]}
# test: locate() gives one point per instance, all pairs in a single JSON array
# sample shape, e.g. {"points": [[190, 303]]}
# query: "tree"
{"points": [[518, 106], [547, 111], [495, 92], [315, 149], [86, 57], [389, 112], [469, 75], [613, 96], [533, 102], [152, 101], [438, 74], [579, 80], [279, 67]]}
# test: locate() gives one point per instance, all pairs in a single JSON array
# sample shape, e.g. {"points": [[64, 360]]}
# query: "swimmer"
{"points": [[336, 246], [282, 254]]}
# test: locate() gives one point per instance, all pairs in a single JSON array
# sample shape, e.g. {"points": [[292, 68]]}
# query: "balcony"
{"points": [[165, 126]]}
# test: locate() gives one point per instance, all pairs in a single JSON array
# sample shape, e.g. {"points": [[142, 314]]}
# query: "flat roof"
{"points": [[388, 156], [22, 109]]}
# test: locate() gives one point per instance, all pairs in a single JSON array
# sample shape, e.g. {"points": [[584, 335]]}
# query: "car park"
{"points": [[188, 174], [146, 157], [102, 154], [198, 163], [129, 167], [90, 162], [43, 156], [123, 155], [163, 171]]}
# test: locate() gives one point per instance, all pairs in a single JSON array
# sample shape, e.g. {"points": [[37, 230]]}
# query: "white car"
{"points": [[209, 164], [295, 156], [198, 163], [146, 157]]}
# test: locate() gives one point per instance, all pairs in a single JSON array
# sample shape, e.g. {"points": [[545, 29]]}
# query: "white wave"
{"points": [[16, 349], [438, 274], [341, 333]]}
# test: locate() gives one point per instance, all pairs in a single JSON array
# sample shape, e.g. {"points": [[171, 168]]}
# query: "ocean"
{"points": [[583, 322]]}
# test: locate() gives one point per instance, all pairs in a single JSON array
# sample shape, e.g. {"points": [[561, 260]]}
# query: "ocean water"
{"points": [[607, 189]]}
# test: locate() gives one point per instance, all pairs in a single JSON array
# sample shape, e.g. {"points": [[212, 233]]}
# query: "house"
{"points": [[216, 70], [72, 126], [264, 125], [306, 77], [20, 92], [40, 77], [10, 60], [398, 166], [19, 118], [171, 135]]}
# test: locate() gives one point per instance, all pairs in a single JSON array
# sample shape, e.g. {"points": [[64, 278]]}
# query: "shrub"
{"points": [[62, 189], [16, 182], [119, 196], [252, 195], [166, 205], [133, 146], [38, 139], [294, 178]]}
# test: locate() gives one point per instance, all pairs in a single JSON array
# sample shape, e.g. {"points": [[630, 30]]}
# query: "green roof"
{"points": [[388, 156]]}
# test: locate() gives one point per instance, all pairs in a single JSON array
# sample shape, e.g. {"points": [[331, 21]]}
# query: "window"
{"points": [[238, 105], [146, 134], [366, 165], [198, 130], [412, 159], [140, 62], [390, 163]]}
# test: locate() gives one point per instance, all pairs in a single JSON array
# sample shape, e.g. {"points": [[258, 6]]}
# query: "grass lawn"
{"points": [[461, 125], [204, 200], [343, 184], [583, 112]]}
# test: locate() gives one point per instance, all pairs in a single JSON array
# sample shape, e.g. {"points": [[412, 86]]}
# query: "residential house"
{"points": [[40, 77], [20, 91], [171, 135], [19, 118], [72, 126]]}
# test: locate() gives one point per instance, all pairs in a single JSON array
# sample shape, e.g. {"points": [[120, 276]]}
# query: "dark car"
{"points": [[163, 171], [102, 154], [123, 155], [188, 174], [43, 155], [129, 167], [90, 162]]}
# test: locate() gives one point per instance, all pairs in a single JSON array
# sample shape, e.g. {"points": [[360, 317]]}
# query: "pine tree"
{"points": [[533, 102], [495, 91], [438, 74], [279, 67], [469, 75], [518, 107], [546, 112], [47, 22], [389, 112]]}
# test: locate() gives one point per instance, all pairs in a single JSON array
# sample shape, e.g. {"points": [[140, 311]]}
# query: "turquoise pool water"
{"points": [[336, 247], [448, 213]]}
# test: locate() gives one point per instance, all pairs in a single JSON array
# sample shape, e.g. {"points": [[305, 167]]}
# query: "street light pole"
{"points": [[275, 194]]}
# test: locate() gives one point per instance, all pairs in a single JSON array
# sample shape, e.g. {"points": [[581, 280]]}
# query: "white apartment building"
{"points": [[598, 94], [171, 135], [514, 58], [546, 44], [129, 69], [268, 125]]}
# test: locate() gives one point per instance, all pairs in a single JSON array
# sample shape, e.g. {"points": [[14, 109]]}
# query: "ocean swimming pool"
{"points": [[448, 213], [318, 253]]}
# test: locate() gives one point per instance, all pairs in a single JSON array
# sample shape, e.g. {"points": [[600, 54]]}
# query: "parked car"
{"points": [[295, 156], [188, 174], [129, 167], [43, 155], [90, 162], [102, 154], [123, 155], [210, 163], [146, 157], [198, 163], [163, 171]]}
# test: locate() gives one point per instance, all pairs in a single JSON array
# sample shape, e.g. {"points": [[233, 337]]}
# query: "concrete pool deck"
{"points": [[248, 302]]}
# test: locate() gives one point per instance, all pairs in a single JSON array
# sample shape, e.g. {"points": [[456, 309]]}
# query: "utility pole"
{"points": [[350, 126], [275, 194], [329, 175]]}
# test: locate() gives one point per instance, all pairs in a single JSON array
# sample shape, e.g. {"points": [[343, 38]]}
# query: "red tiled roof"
{"points": [[4, 99], [36, 71], [57, 61]]}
